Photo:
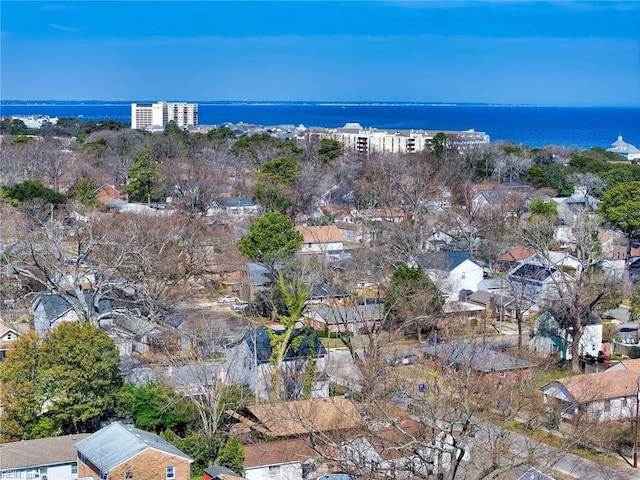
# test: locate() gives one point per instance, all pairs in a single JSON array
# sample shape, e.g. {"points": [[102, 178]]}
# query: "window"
{"points": [[171, 473], [274, 470], [74, 469]]}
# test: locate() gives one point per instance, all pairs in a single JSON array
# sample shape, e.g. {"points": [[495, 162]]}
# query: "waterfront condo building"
{"points": [[149, 116], [371, 140]]}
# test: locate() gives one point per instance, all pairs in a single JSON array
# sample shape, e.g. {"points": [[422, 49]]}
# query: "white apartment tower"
{"points": [[157, 115]]}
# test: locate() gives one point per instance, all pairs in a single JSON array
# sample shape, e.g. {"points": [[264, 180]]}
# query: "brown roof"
{"points": [[601, 386], [302, 417], [321, 234], [40, 452], [276, 453], [632, 366], [516, 254]]}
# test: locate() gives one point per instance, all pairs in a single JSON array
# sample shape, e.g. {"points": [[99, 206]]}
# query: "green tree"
{"points": [[295, 293], [329, 150], [62, 384], [542, 208], [85, 193], [154, 407], [438, 144], [274, 183], [31, 190], [23, 392], [413, 302], [202, 448], [232, 456], [271, 239], [83, 373], [142, 177], [620, 207]]}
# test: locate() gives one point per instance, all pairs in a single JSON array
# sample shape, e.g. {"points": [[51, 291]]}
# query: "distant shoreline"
{"points": [[106, 103], [535, 126]]}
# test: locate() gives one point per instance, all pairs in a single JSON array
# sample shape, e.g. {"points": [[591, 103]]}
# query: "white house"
{"points": [[605, 396], [549, 338], [52, 458], [292, 459], [321, 240], [452, 272], [8, 335]]}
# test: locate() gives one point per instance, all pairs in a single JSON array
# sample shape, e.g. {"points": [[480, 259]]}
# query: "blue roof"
{"points": [[447, 261], [259, 344], [259, 274], [114, 444]]}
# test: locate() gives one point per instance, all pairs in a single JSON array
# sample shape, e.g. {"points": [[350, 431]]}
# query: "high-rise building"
{"points": [[157, 115]]}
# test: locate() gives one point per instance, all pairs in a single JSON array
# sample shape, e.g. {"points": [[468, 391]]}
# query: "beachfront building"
{"points": [[372, 140], [630, 152], [150, 116]]}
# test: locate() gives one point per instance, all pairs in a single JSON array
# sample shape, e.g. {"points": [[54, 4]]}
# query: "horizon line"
{"points": [[16, 102]]}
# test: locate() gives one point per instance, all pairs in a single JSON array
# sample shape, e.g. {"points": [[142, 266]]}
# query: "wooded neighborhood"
{"points": [[265, 303]]}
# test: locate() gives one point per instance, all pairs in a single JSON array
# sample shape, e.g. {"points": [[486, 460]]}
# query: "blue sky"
{"points": [[546, 53]]}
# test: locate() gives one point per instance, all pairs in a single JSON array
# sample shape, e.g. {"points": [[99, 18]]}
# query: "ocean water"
{"points": [[582, 127]]}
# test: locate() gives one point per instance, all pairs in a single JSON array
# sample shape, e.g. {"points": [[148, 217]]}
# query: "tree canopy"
{"points": [[271, 238], [620, 207], [62, 384], [30, 190]]}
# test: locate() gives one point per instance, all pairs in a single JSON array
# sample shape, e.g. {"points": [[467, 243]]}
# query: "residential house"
{"points": [[549, 337], [106, 192], [349, 318], [490, 367], [462, 311], [132, 334], [504, 199], [248, 361], [291, 459], [496, 306], [538, 283], [407, 449], [8, 335], [122, 451], [356, 232], [254, 278], [234, 206], [50, 310], [218, 472], [323, 294], [52, 458], [514, 255], [605, 396], [322, 240], [439, 240], [452, 272], [298, 418]]}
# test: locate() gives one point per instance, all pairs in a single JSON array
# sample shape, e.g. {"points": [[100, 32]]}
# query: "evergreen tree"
{"points": [[232, 456]]}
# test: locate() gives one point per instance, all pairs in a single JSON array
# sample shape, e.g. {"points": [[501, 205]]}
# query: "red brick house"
{"points": [[123, 452]]}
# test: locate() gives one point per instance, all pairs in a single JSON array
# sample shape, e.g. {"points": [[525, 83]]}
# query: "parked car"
{"points": [[227, 299], [240, 306]]}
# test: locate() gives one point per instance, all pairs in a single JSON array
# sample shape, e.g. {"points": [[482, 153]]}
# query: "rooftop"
{"points": [[39, 453]]}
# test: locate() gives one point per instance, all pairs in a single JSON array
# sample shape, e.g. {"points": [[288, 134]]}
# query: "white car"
{"points": [[227, 299]]}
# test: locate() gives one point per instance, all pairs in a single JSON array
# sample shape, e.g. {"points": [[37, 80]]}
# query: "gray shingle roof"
{"points": [[109, 447], [477, 357], [39, 453]]}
